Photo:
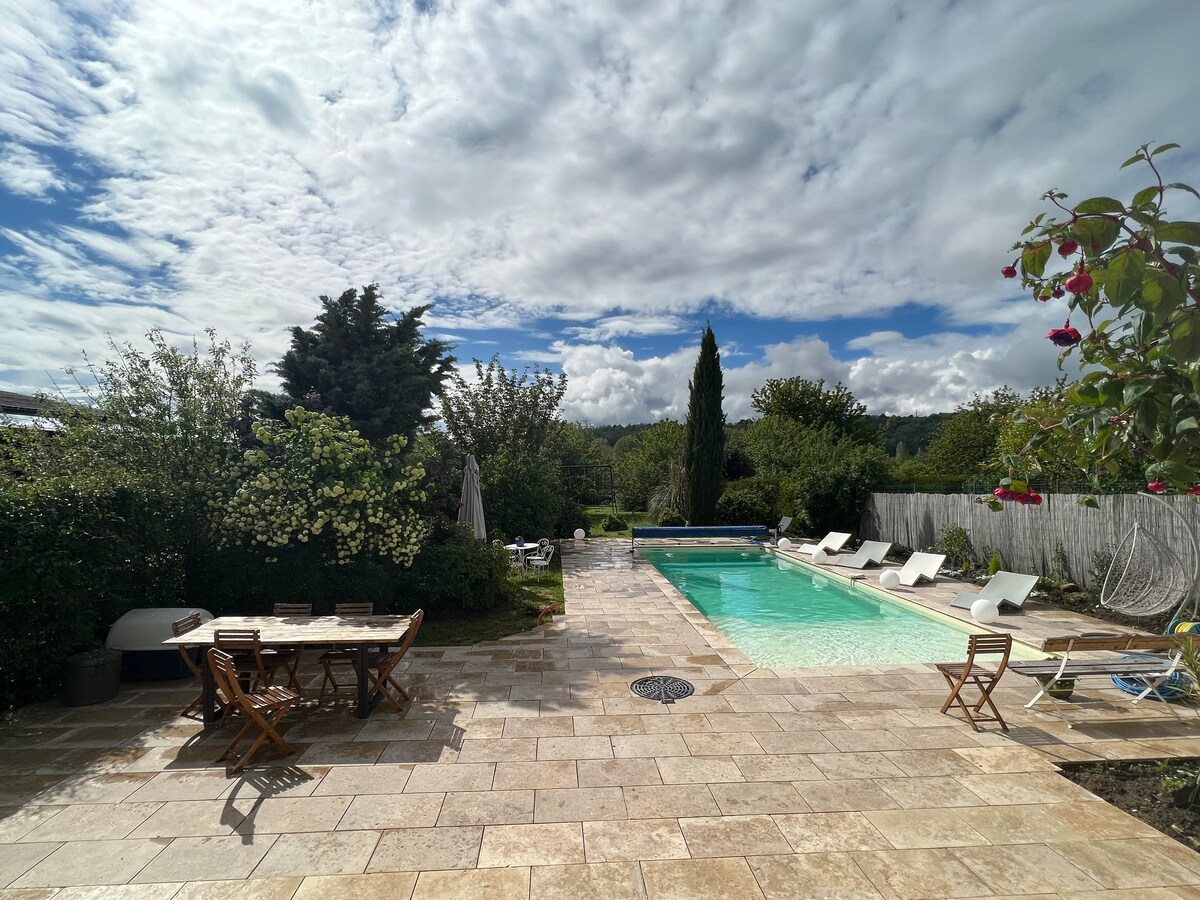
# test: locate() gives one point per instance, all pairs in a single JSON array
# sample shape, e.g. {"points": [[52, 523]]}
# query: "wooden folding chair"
{"points": [[262, 709], [182, 626], [960, 675], [254, 662], [341, 656], [380, 668], [288, 611]]}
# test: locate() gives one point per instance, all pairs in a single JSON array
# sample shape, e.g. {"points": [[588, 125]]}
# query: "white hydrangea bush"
{"points": [[313, 478]]}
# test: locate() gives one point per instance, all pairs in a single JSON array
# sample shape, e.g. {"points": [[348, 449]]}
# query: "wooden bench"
{"points": [[1151, 671]]}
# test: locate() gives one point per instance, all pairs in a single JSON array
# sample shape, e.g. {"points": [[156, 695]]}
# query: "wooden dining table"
{"points": [[358, 632]]}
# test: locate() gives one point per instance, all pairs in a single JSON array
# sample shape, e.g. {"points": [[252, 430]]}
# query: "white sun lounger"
{"points": [[921, 567], [1005, 589], [781, 527], [831, 543], [871, 553]]}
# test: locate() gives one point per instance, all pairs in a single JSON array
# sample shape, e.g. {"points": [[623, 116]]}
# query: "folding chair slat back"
{"points": [[262, 710], [961, 675]]}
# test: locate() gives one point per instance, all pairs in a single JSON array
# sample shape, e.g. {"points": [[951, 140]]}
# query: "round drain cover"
{"points": [[663, 688]]}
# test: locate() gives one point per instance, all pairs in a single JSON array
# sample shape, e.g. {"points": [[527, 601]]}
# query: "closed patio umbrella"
{"points": [[470, 507]]}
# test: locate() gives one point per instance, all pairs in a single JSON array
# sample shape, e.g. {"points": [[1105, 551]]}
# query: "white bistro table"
{"points": [[359, 632]]}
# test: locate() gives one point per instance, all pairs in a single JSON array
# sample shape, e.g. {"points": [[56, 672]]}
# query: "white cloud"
{"points": [[618, 166]]}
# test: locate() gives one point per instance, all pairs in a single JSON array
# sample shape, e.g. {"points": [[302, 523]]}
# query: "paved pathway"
{"points": [[526, 769]]}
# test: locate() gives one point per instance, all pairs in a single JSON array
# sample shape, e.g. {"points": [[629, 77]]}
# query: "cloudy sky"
{"points": [[833, 184]]}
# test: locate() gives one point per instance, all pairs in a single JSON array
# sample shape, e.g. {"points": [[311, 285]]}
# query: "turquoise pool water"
{"points": [[781, 613]]}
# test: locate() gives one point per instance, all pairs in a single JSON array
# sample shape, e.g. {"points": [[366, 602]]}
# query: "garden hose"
{"points": [[1181, 627], [1177, 687]]}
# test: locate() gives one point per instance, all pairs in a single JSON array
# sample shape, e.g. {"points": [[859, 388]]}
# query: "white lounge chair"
{"points": [[781, 528], [921, 567], [871, 553], [1005, 589], [831, 543]]}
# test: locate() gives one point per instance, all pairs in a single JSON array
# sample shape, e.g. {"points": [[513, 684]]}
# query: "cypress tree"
{"points": [[704, 449]]}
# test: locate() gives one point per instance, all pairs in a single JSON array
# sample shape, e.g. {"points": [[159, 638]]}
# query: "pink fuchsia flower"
{"points": [[1067, 336], [1030, 499], [1157, 487], [1079, 283], [1066, 248], [1002, 494], [1193, 490], [1009, 271]]}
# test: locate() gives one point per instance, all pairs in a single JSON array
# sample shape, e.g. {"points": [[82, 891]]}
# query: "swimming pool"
{"points": [[781, 613]]}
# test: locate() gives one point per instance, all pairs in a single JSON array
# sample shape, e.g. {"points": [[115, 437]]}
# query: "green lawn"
{"points": [[597, 514], [520, 615]]}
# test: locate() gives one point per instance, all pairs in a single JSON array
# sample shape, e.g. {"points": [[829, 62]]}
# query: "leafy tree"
{"points": [[704, 449], [963, 443], [522, 494], [646, 462], [502, 409], [809, 403], [380, 374], [1133, 276]]}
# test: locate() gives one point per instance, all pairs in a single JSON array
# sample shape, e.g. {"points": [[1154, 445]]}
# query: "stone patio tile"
{"points": [[16, 859], [388, 729], [507, 709], [812, 876], [585, 725], [744, 703], [207, 858], [207, 785], [258, 889], [91, 862], [649, 745], [930, 762], [634, 840], [498, 750], [16, 822], [617, 772], [474, 884], [291, 814], [540, 692], [1126, 863], [1025, 824], [382, 811], [191, 818], [1027, 868], [591, 747], [677, 723], [778, 768], [384, 886], [934, 738], [579, 804], [913, 874], [421, 849], [721, 744], [669, 801], [995, 760], [1099, 821], [691, 879], [794, 742], [342, 753], [531, 845], [319, 853], [544, 726], [915, 829], [931, 792], [855, 765], [724, 723], [610, 881], [698, 769], [87, 788], [173, 758], [452, 777], [532, 775], [851, 740], [732, 836], [1023, 788], [758, 798], [828, 832], [101, 892], [415, 752], [350, 780], [487, 808], [850, 795], [93, 822]]}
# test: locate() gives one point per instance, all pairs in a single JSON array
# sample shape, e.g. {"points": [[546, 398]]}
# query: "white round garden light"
{"points": [[820, 557], [984, 611], [889, 579], [784, 544], [580, 534]]}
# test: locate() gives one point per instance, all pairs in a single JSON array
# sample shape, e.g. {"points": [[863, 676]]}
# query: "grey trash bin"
{"points": [[91, 677]]}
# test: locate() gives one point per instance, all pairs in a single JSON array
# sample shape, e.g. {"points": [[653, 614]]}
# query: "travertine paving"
{"points": [[525, 768]]}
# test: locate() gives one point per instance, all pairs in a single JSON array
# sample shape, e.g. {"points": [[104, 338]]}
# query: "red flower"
{"points": [[1079, 283], [1156, 487], [1002, 494], [1057, 293], [1066, 248], [1009, 271], [1065, 336], [1193, 490]]}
